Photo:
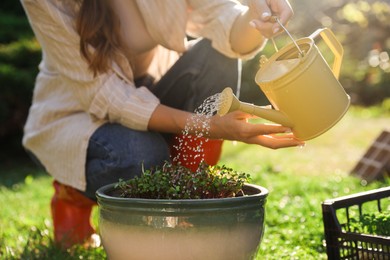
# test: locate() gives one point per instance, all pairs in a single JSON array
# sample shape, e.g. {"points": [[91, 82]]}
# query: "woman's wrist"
{"points": [[198, 125]]}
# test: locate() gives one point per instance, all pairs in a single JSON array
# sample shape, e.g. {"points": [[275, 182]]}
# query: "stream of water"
{"points": [[190, 144]]}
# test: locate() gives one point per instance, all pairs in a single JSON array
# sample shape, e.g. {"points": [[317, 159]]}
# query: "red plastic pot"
{"points": [[190, 150]]}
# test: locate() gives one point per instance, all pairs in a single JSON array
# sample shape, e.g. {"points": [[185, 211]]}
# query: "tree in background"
{"points": [[19, 58]]}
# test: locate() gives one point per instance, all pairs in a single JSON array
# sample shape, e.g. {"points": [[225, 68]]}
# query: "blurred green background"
{"points": [[362, 27]]}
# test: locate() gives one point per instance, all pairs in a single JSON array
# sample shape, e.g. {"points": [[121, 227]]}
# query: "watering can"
{"points": [[303, 90]]}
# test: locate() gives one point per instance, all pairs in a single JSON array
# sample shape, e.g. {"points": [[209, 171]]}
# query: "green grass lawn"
{"points": [[298, 179]]}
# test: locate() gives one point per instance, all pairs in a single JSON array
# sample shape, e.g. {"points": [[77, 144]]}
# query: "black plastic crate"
{"points": [[341, 241]]}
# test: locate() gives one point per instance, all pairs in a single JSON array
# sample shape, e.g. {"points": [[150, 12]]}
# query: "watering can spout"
{"points": [[229, 102]]}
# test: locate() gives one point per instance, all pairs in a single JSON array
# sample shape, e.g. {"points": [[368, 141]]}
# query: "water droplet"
{"points": [[199, 124]]}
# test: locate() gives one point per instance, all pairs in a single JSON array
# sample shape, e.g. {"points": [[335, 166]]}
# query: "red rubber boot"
{"points": [[190, 150], [71, 212]]}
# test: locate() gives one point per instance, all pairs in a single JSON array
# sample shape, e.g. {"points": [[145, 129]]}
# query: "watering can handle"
{"points": [[334, 45]]}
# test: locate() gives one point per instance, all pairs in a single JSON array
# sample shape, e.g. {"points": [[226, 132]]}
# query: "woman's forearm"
{"points": [[168, 120]]}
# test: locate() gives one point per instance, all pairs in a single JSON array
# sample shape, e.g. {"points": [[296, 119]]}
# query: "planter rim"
{"points": [[103, 197], [171, 228]]}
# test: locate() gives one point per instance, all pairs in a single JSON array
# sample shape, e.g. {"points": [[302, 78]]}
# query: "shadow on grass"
{"points": [[15, 167], [40, 245]]}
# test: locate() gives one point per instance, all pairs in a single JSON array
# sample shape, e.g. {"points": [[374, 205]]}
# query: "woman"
{"points": [[117, 75]]}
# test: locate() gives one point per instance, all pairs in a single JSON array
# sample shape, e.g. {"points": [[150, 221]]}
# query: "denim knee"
{"points": [[116, 152]]}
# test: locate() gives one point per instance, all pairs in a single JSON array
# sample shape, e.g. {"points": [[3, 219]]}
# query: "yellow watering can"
{"points": [[303, 89]]}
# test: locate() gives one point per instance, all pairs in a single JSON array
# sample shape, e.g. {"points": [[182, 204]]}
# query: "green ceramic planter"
{"points": [[230, 228]]}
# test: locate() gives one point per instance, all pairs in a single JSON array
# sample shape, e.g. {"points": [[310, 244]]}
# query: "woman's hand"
{"points": [[251, 30], [262, 11], [235, 126], [232, 126]]}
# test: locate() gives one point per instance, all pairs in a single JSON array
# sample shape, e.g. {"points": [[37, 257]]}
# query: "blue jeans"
{"points": [[116, 152]]}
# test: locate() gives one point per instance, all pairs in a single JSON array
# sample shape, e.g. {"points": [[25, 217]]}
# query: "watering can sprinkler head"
{"points": [[229, 103]]}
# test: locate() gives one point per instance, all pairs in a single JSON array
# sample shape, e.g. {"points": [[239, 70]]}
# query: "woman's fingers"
{"points": [[235, 126], [269, 135], [267, 129], [282, 9], [277, 141], [263, 12]]}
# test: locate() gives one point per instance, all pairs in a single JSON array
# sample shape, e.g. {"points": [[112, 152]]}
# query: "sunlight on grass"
{"points": [[336, 151], [299, 180], [26, 230]]}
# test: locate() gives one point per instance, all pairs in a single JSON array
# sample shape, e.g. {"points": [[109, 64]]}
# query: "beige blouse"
{"points": [[69, 104]]}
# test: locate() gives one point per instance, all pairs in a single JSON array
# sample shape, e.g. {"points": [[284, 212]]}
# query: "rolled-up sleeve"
{"points": [[117, 101]]}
